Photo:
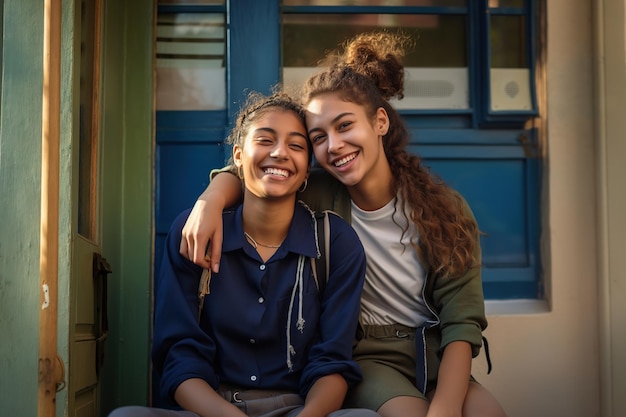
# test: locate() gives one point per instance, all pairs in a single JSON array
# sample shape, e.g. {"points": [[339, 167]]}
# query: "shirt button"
{"points": [[253, 378], [262, 267], [261, 300], [252, 341]]}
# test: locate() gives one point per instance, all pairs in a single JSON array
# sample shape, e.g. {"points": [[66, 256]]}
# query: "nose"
{"points": [[334, 143], [280, 150]]}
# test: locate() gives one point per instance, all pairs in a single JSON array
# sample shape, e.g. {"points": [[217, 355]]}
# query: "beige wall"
{"points": [[611, 149], [547, 354]]}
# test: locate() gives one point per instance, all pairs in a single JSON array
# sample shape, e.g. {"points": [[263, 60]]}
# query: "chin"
{"points": [[347, 180], [275, 194]]}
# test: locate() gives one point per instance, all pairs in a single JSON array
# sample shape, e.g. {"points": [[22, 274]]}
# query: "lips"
{"points": [[276, 171], [346, 159]]}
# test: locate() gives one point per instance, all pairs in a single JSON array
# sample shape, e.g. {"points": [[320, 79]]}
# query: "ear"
{"points": [[381, 121], [237, 156]]}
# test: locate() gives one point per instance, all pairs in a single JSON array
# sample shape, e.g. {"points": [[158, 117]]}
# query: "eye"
{"points": [[264, 140], [317, 138], [297, 146], [344, 125]]}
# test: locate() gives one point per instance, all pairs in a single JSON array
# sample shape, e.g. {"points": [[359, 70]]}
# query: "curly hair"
{"points": [[369, 72]]}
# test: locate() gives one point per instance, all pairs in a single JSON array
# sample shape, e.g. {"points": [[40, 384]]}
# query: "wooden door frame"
{"points": [[49, 366]]}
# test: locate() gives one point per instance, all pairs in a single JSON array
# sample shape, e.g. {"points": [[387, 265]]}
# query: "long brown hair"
{"points": [[369, 72]]}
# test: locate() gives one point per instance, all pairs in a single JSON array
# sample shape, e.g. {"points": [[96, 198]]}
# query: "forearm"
{"points": [[224, 187], [325, 396], [452, 381], [199, 397], [204, 224]]}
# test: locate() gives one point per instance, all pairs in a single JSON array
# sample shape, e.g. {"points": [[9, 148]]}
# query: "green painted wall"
{"points": [[126, 201], [20, 178], [127, 100]]}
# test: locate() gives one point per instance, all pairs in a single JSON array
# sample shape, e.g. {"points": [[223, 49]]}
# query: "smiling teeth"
{"points": [[345, 160], [276, 171]]}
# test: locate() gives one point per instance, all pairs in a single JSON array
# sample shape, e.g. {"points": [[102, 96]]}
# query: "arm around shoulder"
{"points": [[204, 225]]}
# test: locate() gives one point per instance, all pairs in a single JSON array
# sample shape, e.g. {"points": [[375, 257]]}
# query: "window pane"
{"points": [[191, 61], [508, 46], [509, 73], [438, 3], [436, 68], [190, 2], [506, 3], [440, 40]]}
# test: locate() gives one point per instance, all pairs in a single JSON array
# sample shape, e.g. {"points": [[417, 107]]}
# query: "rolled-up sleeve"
{"points": [[461, 305], [180, 349]]}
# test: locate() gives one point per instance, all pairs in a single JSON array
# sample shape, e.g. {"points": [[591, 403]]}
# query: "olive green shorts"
{"points": [[386, 355]]}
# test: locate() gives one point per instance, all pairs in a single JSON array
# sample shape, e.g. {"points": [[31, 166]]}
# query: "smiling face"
{"points": [[346, 142], [274, 155]]}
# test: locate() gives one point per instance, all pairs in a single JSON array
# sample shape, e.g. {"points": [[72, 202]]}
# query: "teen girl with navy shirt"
{"points": [[267, 342]]}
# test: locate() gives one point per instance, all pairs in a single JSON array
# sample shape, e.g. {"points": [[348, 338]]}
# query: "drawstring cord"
{"points": [[314, 219], [486, 345], [298, 286]]}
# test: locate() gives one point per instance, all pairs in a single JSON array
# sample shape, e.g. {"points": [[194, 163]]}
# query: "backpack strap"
{"points": [[203, 289], [320, 266]]}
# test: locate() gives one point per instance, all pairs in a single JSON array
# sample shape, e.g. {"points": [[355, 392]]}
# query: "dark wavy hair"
{"points": [[369, 71]]}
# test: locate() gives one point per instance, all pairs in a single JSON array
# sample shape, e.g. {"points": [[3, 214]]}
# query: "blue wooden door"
{"points": [[217, 52], [476, 141]]}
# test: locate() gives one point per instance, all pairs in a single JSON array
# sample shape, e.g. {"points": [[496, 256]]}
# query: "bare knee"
{"points": [[479, 402], [404, 406], [131, 411]]}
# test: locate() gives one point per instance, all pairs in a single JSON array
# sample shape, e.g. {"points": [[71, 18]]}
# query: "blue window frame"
{"points": [[484, 148]]}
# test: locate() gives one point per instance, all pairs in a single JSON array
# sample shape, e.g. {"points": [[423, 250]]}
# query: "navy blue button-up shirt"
{"points": [[244, 337]]}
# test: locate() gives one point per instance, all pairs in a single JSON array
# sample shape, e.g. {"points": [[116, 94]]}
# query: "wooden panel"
{"points": [[83, 291], [182, 174], [83, 366], [85, 404], [250, 67]]}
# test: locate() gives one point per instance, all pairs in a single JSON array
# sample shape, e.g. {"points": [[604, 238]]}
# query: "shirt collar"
{"points": [[300, 238]]}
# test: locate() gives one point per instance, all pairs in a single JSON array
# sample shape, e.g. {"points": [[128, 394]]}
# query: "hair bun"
{"points": [[378, 56]]}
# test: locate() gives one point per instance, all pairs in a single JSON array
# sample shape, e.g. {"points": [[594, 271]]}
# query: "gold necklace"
{"points": [[257, 244]]}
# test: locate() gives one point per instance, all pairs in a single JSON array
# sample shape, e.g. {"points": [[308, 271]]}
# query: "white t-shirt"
{"points": [[394, 277]]}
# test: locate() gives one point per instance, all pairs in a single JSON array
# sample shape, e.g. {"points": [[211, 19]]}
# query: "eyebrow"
{"points": [[333, 121]]}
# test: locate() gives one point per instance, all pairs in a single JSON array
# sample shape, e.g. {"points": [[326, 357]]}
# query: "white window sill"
{"points": [[516, 307]]}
